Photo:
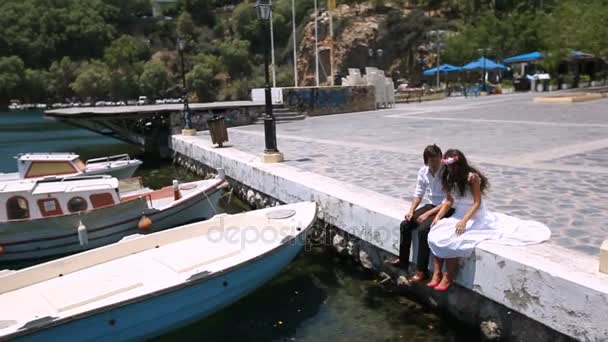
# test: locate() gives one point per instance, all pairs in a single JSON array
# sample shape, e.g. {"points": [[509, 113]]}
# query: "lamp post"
{"points": [[271, 153], [375, 55], [437, 46], [188, 130]]}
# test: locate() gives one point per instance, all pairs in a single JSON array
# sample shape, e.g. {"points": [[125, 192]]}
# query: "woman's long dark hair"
{"points": [[456, 176]]}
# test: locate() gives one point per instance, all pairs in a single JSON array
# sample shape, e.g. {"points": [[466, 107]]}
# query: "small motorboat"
{"points": [[144, 286], [55, 216], [38, 165]]}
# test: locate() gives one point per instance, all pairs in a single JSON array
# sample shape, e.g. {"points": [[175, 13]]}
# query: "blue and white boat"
{"points": [[144, 286]]}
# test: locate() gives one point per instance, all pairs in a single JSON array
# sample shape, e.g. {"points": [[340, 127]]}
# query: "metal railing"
{"points": [[118, 157]]}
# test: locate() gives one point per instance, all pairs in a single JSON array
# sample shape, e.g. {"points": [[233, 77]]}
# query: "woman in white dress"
{"points": [[456, 237]]}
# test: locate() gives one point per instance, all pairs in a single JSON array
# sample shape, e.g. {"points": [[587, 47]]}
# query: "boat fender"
{"points": [[144, 223], [176, 194], [83, 235]]}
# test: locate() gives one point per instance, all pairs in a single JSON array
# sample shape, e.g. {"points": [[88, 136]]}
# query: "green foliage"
{"points": [[12, 73], [201, 10], [245, 24], [154, 80], [579, 25], [124, 84], [185, 26], [93, 81], [203, 78], [236, 57], [61, 75], [515, 33], [36, 85], [40, 32], [126, 51]]}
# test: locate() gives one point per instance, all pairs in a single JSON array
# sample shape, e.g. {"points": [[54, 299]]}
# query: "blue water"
{"points": [[319, 297]]}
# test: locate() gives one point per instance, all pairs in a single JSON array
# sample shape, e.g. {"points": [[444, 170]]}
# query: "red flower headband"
{"points": [[450, 160]]}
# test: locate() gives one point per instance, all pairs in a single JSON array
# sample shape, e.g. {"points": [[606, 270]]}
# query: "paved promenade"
{"points": [[544, 162]]}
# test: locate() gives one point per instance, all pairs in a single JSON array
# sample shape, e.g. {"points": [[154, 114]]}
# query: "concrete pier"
{"points": [[544, 162]]}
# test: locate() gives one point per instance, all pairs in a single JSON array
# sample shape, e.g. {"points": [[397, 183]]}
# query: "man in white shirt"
{"points": [[429, 183]]}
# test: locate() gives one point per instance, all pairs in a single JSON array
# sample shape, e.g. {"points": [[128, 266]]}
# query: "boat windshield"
{"points": [[47, 168]]}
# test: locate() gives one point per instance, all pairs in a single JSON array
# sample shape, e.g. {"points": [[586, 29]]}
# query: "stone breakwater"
{"points": [[495, 321]]}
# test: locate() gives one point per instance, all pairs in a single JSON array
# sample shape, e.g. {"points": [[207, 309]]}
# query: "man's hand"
{"points": [[460, 227], [423, 217], [409, 215]]}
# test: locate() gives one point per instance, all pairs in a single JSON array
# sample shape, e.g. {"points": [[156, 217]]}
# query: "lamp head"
{"points": [[263, 9]]}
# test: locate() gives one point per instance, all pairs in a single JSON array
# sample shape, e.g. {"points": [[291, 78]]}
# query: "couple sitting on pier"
{"points": [[456, 219]]}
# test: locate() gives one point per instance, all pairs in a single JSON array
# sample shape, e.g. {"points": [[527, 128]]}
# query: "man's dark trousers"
{"points": [[407, 228]]}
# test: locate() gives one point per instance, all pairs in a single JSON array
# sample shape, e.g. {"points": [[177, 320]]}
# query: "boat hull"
{"points": [[155, 315], [59, 235]]}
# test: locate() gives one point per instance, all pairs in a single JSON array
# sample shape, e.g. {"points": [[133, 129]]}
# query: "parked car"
{"points": [[100, 104], [143, 100], [160, 101], [121, 103]]}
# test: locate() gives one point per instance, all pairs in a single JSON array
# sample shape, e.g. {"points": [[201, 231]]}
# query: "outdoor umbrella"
{"points": [[483, 64], [526, 57], [444, 68]]}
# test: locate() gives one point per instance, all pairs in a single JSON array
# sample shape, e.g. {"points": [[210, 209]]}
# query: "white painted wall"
{"points": [[259, 95], [552, 285]]}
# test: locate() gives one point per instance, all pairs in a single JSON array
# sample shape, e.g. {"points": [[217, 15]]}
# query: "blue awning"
{"points": [[483, 63], [526, 57], [443, 68]]}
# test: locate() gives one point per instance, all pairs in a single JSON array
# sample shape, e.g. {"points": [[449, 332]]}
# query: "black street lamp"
{"points": [[271, 153], [181, 45], [375, 55]]}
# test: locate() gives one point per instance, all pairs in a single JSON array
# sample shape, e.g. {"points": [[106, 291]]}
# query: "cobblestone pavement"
{"points": [[544, 162]]}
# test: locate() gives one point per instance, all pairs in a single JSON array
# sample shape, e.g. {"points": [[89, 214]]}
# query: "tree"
{"points": [[154, 80], [201, 10], [126, 51], [202, 79], [93, 81], [61, 76], [578, 25], [12, 73], [124, 84], [185, 26], [36, 85], [41, 31], [236, 57]]}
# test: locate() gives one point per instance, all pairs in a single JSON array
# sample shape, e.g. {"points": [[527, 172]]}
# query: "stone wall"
{"points": [[234, 117], [495, 321], [329, 100]]}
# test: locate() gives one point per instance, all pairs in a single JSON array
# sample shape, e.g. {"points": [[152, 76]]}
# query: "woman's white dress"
{"points": [[484, 225]]}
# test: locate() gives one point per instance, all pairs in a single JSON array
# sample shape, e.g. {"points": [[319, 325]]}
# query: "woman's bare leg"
{"points": [[437, 265], [451, 266]]}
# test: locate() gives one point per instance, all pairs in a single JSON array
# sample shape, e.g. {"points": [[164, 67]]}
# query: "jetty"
{"points": [[151, 126], [545, 162]]}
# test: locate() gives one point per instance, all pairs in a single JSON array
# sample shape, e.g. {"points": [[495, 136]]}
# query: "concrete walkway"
{"points": [[544, 162]]}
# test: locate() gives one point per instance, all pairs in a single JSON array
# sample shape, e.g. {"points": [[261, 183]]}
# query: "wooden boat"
{"points": [[54, 216], [38, 165], [144, 286]]}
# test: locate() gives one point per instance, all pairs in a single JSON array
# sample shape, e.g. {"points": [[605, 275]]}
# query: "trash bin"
{"points": [[217, 130]]}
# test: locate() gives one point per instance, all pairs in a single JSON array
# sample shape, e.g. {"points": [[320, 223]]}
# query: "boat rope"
{"points": [[210, 203]]}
